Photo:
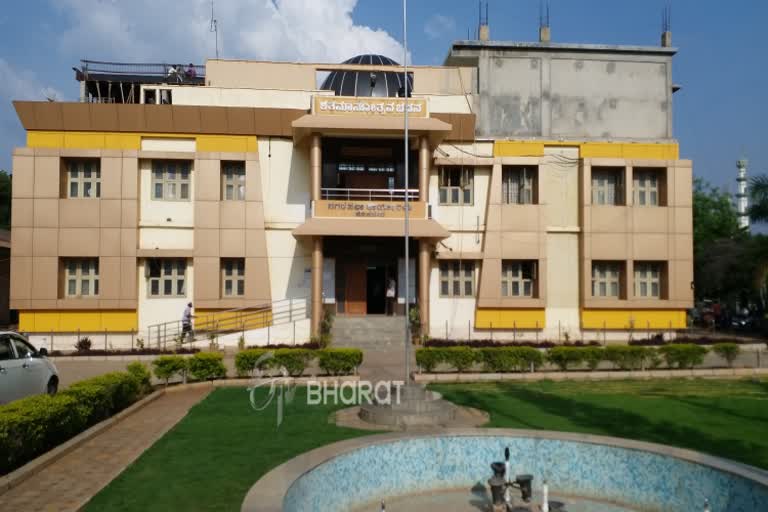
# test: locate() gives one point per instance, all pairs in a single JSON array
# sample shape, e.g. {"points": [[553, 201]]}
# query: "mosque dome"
{"points": [[368, 83]]}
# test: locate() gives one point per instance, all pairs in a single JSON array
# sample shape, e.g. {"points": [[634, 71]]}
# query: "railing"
{"points": [[212, 325], [370, 194], [143, 69]]}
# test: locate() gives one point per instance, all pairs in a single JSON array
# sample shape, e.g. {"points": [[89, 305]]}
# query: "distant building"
{"points": [[742, 197]]}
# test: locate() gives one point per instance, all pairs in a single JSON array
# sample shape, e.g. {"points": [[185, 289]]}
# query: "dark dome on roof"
{"points": [[368, 83]]}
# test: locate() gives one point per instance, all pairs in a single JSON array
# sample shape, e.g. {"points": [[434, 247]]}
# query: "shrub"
{"points": [[509, 359], [241, 342], [83, 344], [340, 361], [428, 358], [207, 366], [246, 361], [461, 358], [683, 355], [565, 357], [628, 357], [592, 356], [728, 351], [141, 373], [294, 360], [166, 367], [106, 394]]}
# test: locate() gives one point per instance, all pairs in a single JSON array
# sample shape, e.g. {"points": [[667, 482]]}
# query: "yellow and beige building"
{"points": [[546, 195]]}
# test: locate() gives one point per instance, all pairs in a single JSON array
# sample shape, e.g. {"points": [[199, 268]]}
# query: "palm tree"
{"points": [[758, 191]]}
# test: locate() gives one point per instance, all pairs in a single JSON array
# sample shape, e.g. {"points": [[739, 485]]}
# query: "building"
{"points": [[547, 198]]}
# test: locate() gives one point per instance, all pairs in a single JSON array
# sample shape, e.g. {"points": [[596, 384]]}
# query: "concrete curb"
{"points": [[36, 465], [720, 373]]}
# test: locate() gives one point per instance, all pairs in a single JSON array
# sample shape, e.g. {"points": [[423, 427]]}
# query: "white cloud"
{"points": [[438, 25], [152, 31]]}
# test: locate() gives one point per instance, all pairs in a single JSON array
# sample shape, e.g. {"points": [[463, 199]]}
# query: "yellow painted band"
{"points": [[488, 318], [627, 319], [74, 321], [119, 140], [233, 320], [628, 150]]}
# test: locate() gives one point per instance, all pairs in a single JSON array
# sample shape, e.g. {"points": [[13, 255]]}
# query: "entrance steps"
{"points": [[370, 331]]}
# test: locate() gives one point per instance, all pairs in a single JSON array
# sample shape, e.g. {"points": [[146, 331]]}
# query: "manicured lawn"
{"points": [[217, 452], [728, 418]]}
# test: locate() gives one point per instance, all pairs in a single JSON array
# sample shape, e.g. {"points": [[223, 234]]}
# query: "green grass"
{"points": [[725, 418], [210, 459]]}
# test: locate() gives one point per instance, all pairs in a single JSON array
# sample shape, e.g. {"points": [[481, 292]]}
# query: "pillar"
{"points": [[425, 160], [315, 166], [425, 250], [317, 284]]}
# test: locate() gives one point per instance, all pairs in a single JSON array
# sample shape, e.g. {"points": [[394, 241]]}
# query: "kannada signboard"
{"points": [[361, 106], [380, 209]]}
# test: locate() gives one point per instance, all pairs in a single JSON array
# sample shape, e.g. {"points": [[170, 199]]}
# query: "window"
{"points": [[233, 277], [647, 187], [518, 278], [457, 278], [606, 279], [170, 180], [456, 185], [233, 181], [23, 349], [83, 178], [6, 352], [518, 185], [166, 277], [608, 185], [81, 277], [648, 279]]}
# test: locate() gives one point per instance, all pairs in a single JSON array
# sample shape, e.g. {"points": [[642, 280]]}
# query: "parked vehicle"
{"points": [[24, 370]]}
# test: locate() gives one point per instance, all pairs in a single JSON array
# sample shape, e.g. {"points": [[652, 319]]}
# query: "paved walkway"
{"points": [[71, 481]]}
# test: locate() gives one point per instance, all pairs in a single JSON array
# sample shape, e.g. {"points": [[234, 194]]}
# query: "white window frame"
{"points": [[606, 279], [233, 181], [602, 181], [648, 279], [456, 276], [518, 184], [461, 194], [645, 185], [519, 278], [164, 272], [232, 276], [81, 277], [174, 178], [76, 169]]}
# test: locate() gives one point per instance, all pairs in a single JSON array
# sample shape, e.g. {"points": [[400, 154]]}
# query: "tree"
{"points": [[758, 191], [714, 216], [5, 200]]}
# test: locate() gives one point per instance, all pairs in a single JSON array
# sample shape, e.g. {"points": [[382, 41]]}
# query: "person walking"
{"points": [[186, 323], [391, 291]]}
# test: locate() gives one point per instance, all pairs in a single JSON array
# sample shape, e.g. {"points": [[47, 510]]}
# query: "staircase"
{"points": [[371, 332]]}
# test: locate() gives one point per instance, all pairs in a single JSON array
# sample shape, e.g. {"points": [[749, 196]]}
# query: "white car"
{"points": [[24, 371]]}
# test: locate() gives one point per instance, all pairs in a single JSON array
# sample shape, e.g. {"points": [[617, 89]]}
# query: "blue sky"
{"points": [[720, 114]]}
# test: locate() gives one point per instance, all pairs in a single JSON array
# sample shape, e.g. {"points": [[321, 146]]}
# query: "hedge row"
{"points": [[487, 343], [201, 366], [333, 361], [624, 357], [31, 426]]}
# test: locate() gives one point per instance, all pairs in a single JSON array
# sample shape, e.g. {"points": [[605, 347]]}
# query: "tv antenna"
{"points": [[214, 27], [543, 13], [481, 19], [666, 18]]}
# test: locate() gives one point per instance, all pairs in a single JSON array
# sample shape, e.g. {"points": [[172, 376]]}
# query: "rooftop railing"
{"points": [[141, 69]]}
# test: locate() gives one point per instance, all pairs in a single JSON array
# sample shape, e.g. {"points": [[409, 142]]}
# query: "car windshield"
{"points": [[23, 349]]}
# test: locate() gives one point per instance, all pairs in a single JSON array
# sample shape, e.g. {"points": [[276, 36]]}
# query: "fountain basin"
{"points": [[354, 475]]}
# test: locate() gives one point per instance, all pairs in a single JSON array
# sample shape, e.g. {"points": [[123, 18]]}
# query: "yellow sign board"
{"points": [[362, 106], [380, 209]]}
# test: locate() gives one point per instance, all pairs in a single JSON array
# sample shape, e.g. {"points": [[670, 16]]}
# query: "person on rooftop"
{"points": [[191, 72]]}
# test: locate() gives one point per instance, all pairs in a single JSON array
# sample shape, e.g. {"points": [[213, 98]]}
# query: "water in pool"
{"points": [[461, 500]]}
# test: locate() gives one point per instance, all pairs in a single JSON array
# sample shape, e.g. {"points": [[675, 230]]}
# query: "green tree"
{"points": [[758, 191], [714, 216], [5, 200]]}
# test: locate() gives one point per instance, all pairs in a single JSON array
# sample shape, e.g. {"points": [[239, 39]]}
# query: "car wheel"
{"points": [[53, 386]]}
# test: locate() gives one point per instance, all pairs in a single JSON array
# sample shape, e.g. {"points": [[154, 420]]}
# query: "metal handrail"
{"points": [[231, 320], [370, 194], [135, 68]]}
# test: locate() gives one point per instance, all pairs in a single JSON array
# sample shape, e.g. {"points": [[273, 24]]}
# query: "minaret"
{"points": [[742, 201]]}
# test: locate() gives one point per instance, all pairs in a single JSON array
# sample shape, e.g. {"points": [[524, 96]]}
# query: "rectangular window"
{"points": [[456, 185], [83, 177], [233, 277], [607, 279], [518, 278], [233, 181], [171, 180], [608, 185], [518, 185], [647, 187], [166, 277], [457, 278], [648, 279], [81, 277]]}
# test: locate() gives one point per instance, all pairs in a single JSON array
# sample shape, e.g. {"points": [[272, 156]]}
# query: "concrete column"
{"points": [[315, 166], [425, 253], [425, 162], [317, 284]]}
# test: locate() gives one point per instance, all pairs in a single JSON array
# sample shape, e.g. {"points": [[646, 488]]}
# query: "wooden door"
{"points": [[355, 288]]}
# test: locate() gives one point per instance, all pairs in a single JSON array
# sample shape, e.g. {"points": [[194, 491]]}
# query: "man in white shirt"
{"points": [[186, 323]]}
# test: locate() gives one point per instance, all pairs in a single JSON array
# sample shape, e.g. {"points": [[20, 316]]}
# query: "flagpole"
{"points": [[407, 276]]}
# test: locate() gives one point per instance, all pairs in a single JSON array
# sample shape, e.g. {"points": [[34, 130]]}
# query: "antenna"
{"points": [[214, 27], [543, 13], [666, 18]]}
